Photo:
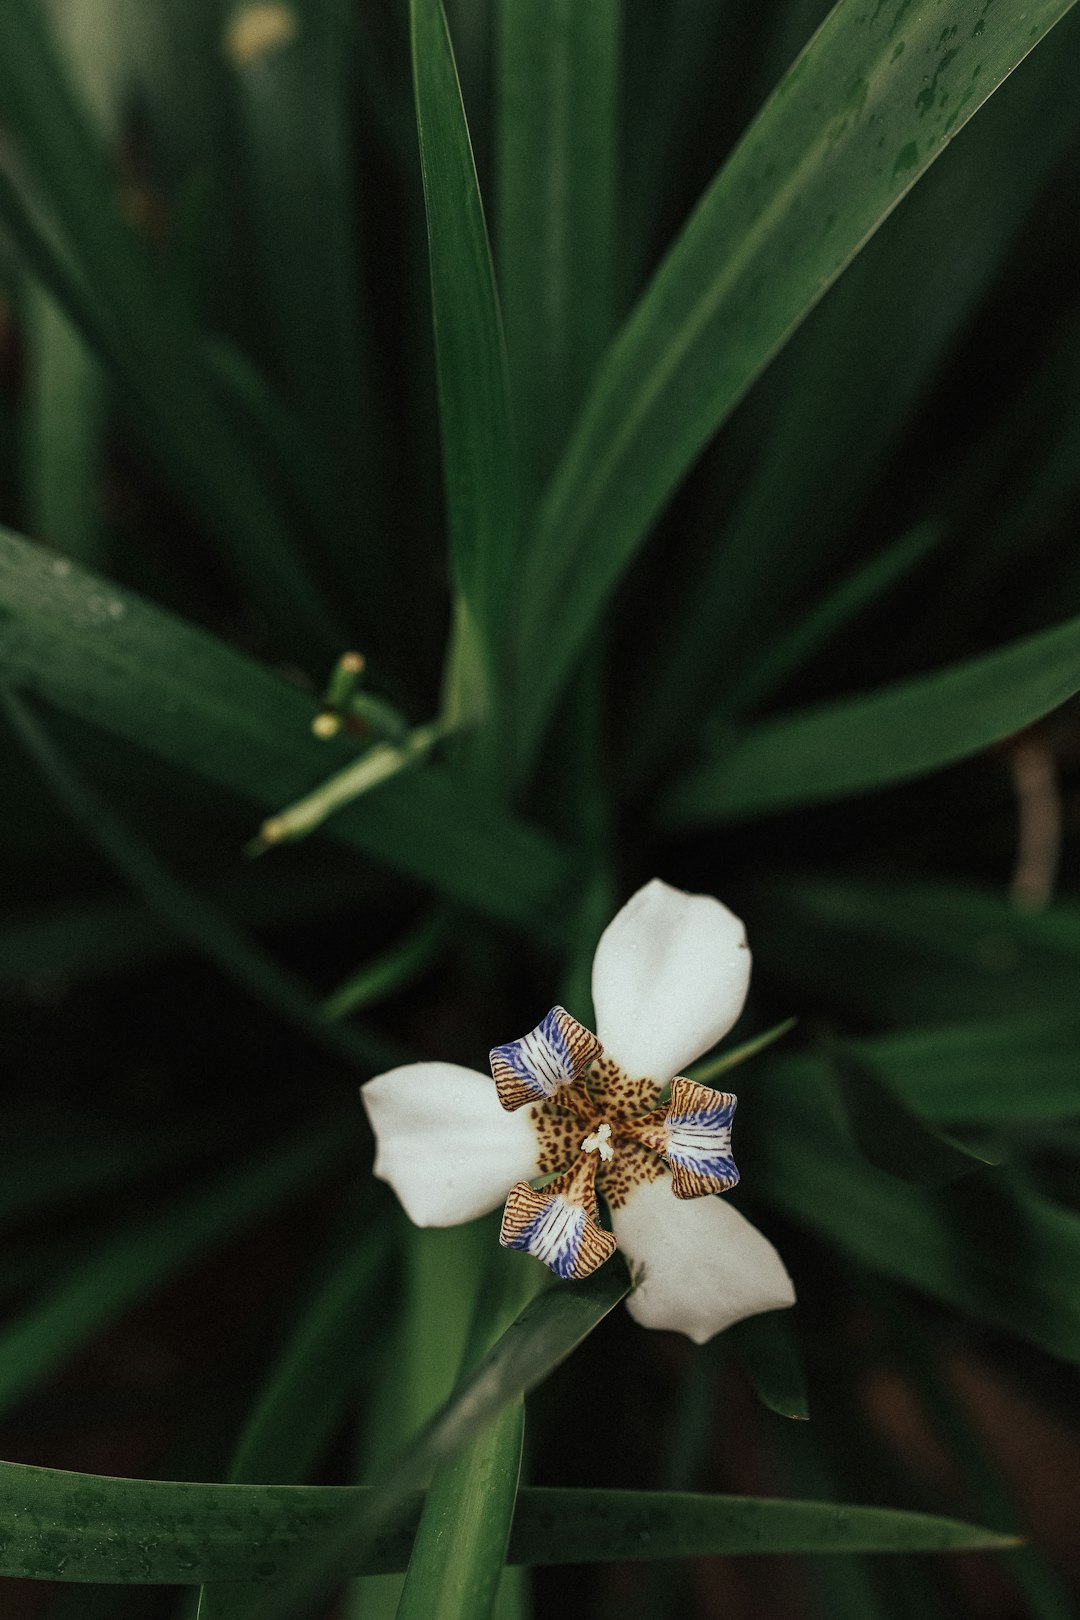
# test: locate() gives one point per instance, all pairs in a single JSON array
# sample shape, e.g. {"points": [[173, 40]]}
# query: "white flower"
{"points": [[669, 980]]}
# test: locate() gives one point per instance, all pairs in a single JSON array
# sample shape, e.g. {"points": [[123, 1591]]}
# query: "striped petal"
{"points": [[698, 1140], [699, 1265], [444, 1144], [670, 977], [559, 1225], [554, 1054]]}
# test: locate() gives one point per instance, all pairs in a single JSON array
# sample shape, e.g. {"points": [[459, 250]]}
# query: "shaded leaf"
{"points": [[908, 729], [849, 129], [88, 1527], [105, 655]]}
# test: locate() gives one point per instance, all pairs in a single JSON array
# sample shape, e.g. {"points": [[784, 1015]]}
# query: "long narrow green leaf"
{"points": [[64, 452], [904, 730], [545, 1333], [873, 100], [557, 85], [459, 1552], [100, 271], [130, 1265], [88, 1527], [293, 88], [461, 1539], [855, 593], [985, 1245], [190, 917], [86, 939], [474, 410], [909, 953], [102, 654], [308, 1386], [872, 349]]}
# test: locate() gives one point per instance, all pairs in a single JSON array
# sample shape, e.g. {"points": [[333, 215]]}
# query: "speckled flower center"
{"points": [[605, 1118]]}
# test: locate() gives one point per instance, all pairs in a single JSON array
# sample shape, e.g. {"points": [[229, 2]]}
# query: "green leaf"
{"points": [[87, 938], [128, 1266], [474, 411], [294, 97], [710, 1069], [889, 1132], [920, 952], [988, 1247], [303, 1398], [103, 654], [766, 1349], [557, 97], [545, 1333], [1004, 1071], [188, 916], [461, 1540], [904, 730], [874, 98], [101, 273], [872, 349], [64, 453], [838, 609], [86, 1527]]}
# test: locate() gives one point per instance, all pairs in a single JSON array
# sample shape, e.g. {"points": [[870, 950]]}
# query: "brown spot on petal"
{"points": [[616, 1095], [632, 1166]]}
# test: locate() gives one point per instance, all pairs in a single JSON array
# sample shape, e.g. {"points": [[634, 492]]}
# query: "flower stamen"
{"points": [[599, 1141]]}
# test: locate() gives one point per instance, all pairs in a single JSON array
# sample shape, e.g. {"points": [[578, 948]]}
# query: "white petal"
{"points": [[701, 1265], [670, 977], [444, 1142]]}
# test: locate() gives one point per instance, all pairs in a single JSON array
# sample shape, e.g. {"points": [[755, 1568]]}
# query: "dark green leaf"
{"points": [[888, 1131], [130, 1265], [558, 76], [765, 1347], [987, 1246], [86, 1527], [873, 100], [545, 1333], [478, 451], [102, 654], [902, 731], [188, 916]]}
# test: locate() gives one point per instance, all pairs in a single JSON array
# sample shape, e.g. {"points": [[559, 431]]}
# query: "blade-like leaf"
{"points": [[474, 411], [88, 1527], [923, 953], [545, 1333], [904, 730], [872, 349], [293, 89], [558, 65], [461, 1540], [103, 654], [765, 1346], [102, 274], [888, 1131], [873, 99], [185, 913], [985, 1245], [303, 1398], [126, 1267]]}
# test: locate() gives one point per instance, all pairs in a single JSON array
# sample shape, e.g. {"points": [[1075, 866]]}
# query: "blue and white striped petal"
{"points": [[558, 1225], [553, 1055], [698, 1140]]}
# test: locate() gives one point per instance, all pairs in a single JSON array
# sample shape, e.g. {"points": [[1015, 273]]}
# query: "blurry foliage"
{"points": [[761, 583]]}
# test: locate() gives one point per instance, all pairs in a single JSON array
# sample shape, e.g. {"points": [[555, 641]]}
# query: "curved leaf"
{"points": [[902, 731], [872, 101], [107, 656]]}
